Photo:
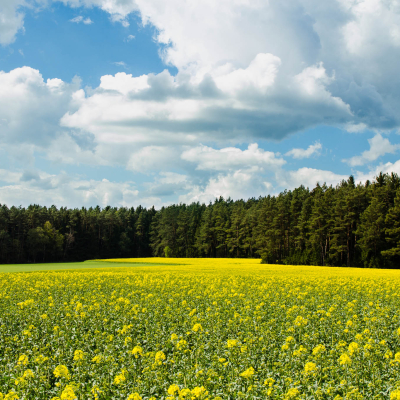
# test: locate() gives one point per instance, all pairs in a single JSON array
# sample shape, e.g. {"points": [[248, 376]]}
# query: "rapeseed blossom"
{"points": [[310, 368], [197, 331], [248, 373], [68, 393], [134, 396], [61, 371]]}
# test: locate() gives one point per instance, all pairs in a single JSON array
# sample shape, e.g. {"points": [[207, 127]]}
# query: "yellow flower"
{"points": [[97, 359], [11, 395], [137, 351], [79, 355], [120, 378], [292, 393], [96, 392], [40, 359], [232, 343], [310, 368], [174, 336], [128, 340], [61, 372], [353, 348], [269, 382], [300, 321], [301, 350], [185, 393], [68, 393], [28, 374], [160, 356], [248, 373], [318, 350], [182, 344], [199, 392], [197, 328], [344, 359], [134, 396], [173, 390], [395, 395], [23, 360]]}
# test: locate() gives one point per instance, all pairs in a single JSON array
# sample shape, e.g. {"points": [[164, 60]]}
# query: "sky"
{"points": [[148, 102]]}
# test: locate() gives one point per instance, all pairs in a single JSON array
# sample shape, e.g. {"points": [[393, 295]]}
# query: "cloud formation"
{"points": [[79, 19], [378, 147], [305, 153], [247, 71], [231, 158]]}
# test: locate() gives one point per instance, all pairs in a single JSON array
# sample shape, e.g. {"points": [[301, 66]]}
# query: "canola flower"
{"points": [[200, 329]]}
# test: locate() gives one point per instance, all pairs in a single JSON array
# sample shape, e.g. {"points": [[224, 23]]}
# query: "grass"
{"points": [[92, 264]]}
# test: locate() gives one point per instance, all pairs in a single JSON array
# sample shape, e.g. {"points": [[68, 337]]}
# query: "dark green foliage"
{"points": [[167, 252], [347, 225]]}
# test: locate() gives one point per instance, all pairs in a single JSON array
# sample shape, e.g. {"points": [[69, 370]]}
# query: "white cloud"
{"points": [[386, 168], [305, 153], [130, 37], [79, 19], [237, 185], [120, 64], [308, 177], [259, 69], [260, 74], [62, 189], [355, 128], [9, 176], [231, 158], [153, 158], [118, 10], [378, 147], [11, 20], [256, 104], [244, 48], [30, 108]]}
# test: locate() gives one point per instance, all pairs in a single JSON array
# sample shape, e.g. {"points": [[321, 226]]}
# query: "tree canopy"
{"points": [[347, 225]]}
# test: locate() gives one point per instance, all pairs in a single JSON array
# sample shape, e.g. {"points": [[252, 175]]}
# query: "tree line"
{"points": [[350, 224]]}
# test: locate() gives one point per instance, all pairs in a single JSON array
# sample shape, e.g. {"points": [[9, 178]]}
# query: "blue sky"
{"points": [[147, 102]]}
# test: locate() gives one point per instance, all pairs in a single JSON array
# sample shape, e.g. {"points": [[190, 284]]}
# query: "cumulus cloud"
{"points": [[240, 184], [305, 153], [150, 159], [11, 20], [280, 66], [378, 147], [31, 108], [62, 189], [260, 69], [386, 168], [227, 103], [308, 177], [230, 158]]}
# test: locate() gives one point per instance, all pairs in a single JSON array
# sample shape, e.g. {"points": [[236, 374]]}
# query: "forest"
{"points": [[353, 225]]}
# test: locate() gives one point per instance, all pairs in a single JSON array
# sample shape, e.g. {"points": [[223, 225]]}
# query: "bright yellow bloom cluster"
{"points": [[61, 371], [248, 373]]}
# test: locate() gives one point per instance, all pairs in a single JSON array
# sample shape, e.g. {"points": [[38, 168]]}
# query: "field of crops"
{"points": [[201, 329]]}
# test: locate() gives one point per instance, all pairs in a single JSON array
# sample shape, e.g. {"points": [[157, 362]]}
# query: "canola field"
{"points": [[200, 329]]}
